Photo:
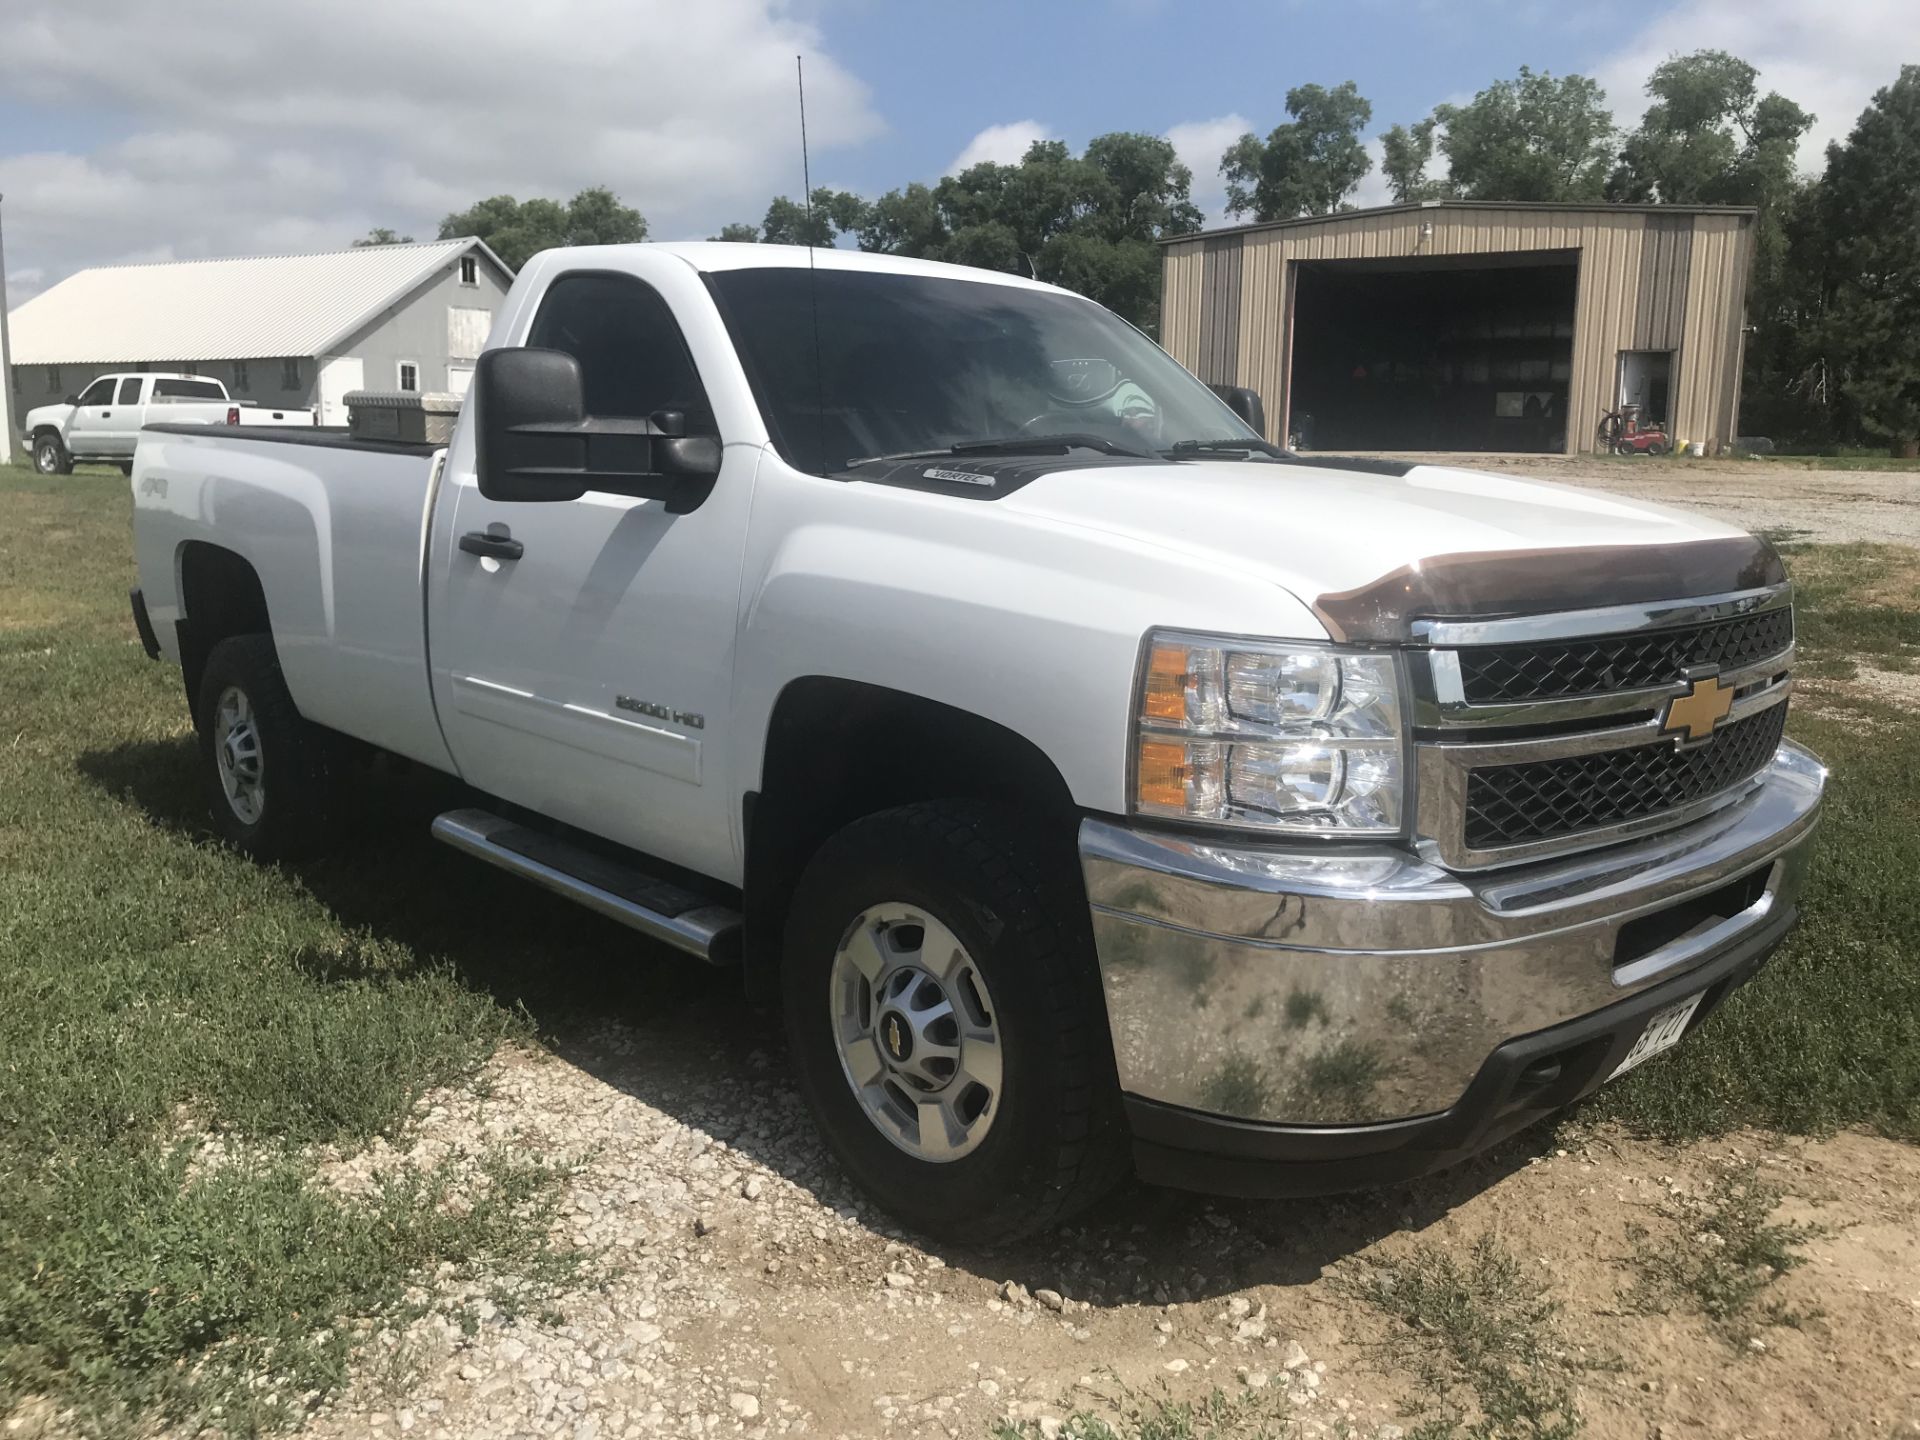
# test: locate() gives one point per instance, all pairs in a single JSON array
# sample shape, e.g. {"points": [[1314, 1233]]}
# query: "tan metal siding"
{"points": [[1647, 280]]}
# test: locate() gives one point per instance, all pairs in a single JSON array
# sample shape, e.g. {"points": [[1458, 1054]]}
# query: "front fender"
{"points": [[1033, 624]]}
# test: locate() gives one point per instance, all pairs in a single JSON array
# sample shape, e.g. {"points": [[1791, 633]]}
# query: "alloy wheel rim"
{"points": [[237, 754], [49, 459], [919, 1040]]}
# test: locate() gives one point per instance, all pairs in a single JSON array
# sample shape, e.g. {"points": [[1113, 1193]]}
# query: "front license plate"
{"points": [[1663, 1032]]}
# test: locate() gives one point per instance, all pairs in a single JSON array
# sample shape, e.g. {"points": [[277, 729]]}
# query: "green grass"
{"points": [[1829, 1033], [1723, 1252], [155, 989], [1248, 1416], [1483, 1338]]}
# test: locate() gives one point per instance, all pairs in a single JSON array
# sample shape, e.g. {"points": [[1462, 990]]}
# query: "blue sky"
{"points": [[128, 134]]}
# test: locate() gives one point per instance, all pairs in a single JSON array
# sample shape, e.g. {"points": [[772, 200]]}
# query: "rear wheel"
{"points": [[50, 457], [271, 776], [947, 1023], [1657, 447]]}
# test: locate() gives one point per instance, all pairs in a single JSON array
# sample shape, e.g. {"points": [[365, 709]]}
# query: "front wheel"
{"points": [[50, 457], [272, 777], [947, 1023]]}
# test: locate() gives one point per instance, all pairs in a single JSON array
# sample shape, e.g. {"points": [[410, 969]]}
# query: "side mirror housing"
{"points": [[71, 400], [535, 441], [1245, 403]]}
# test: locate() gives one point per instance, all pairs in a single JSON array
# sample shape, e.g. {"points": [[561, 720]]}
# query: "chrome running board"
{"points": [[658, 909]]}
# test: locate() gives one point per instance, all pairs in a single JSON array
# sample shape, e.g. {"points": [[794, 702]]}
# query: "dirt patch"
{"points": [[745, 1291]]}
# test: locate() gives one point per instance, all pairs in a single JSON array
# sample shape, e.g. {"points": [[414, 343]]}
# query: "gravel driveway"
{"points": [[745, 1291], [1825, 506]]}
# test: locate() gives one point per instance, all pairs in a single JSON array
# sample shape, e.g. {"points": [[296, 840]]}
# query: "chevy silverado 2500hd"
{"points": [[1090, 782], [102, 423]]}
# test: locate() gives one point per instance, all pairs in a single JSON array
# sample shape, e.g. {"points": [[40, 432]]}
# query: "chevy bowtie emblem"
{"points": [[894, 1037], [1691, 717]]}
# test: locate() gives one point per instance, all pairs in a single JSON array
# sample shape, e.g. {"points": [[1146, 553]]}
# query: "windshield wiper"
{"points": [[1058, 444], [1247, 446]]}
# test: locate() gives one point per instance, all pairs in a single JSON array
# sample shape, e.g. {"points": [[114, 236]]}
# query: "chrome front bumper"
{"points": [[1340, 987]]}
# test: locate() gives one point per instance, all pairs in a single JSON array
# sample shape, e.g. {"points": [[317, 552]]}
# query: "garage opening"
{"points": [[1471, 352]]}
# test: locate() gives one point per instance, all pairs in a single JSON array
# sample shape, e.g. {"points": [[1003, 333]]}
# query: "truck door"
{"points": [[92, 417], [123, 428], [589, 678]]}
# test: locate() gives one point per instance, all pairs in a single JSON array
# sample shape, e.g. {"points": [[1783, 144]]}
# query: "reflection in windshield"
{"points": [[907, 363]]}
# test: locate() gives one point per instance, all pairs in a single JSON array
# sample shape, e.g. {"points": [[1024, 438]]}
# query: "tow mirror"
{"points": [[1245, 403], [536, 442]]}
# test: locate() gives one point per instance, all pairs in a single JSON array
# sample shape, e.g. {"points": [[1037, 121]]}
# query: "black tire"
{"points": [[50, 456], [1058, 1141], [298, 809], [126, 468], [1657, 448]]}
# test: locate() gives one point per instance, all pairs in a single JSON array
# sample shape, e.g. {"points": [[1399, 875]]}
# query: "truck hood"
{"points": [[1370, 552], [54, 415]]}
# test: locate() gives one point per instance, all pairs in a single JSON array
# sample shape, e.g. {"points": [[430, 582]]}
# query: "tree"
{"points": [[738, 233], [1407, 150], [1710, 138], [834, 213], [381, 235], [1529, 138], [518, 230], [1307, 166], [905, 222], [1871, 212]]}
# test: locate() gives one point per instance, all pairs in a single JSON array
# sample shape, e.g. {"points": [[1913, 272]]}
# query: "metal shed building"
{"points": [[282, 330], [1462, 325]]}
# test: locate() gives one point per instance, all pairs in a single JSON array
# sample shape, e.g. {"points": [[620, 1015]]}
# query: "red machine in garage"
{"points": [[1622, 433]]}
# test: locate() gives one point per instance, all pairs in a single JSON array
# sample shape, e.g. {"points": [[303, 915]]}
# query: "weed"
{"points": [[1345, 1070], [1482, 1337], [1726, 1253], [1245, 1417]]}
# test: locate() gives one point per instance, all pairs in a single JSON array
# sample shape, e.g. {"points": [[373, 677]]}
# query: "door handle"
{"points": [[499, 547]]}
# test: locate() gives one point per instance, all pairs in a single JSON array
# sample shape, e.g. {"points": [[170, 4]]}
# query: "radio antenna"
{"points": [[813, 284]]}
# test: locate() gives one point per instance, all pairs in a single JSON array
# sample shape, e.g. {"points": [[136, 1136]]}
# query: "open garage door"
{"points": [[1470, 352]]}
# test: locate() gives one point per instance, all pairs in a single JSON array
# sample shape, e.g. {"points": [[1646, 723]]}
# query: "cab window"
{"points": [[129, 391], [100, 392], [633, 358]]}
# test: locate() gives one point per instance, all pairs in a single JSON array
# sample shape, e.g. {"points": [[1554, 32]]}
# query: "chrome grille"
{"points": [[1543, 734], [1545, 799], [1504, 674]]}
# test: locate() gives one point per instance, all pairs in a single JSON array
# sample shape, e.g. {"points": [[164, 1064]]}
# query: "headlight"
{"points": [[1283, 736]]}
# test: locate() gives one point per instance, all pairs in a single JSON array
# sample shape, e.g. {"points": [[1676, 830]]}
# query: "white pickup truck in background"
{"points": [[101, 424], [1091, 783]]}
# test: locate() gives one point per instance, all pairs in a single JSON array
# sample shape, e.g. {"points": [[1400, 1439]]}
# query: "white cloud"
{"points": [[1827, 58], [309, 124], [1199, 144], [1001, 144], [1372, 189]]}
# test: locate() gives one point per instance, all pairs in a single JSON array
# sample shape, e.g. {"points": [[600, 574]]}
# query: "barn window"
{"points": [[409, 375], [290, 373], [53, 379], [469, 270], [240, 381]]}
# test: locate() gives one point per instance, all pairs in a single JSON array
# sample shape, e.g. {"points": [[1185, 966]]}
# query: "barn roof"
{"points": [[254, 307]]}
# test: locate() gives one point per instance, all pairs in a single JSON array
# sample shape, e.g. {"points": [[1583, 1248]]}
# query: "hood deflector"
{"points": [[1535, 582]]}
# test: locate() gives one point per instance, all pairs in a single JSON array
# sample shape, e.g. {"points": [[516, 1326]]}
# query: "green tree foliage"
{"points": [[1306, 166], [1870, 208], [738, 233], [1529, 138], [1088, 221], [1407, 150], [517, 230], [1711, 138], [381, 235]]}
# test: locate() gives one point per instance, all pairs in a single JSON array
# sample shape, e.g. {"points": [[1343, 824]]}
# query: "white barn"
{"points": [[282, 330]]}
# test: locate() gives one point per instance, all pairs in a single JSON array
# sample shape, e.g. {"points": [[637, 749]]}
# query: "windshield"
{"points": [[899, 364]]}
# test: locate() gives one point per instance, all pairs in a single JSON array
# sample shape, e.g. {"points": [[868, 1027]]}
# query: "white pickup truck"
{"points": [[101, 424], [1091, 783]]}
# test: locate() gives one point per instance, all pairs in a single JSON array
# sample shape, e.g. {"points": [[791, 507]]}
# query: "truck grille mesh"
{"points": [[1545, 799], [1503, 674]]}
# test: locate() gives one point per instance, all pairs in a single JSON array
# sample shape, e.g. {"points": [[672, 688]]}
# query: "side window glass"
{"points": [[129, 391], [633, 359], [98, 393]]}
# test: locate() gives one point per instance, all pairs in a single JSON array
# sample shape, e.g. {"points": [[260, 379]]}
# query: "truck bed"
{"points": [[336, 530], [331, 437]]}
